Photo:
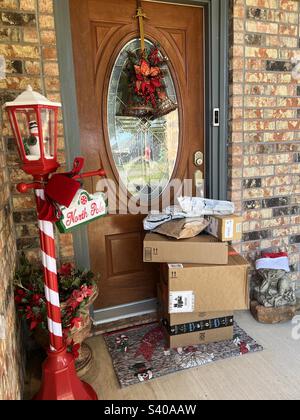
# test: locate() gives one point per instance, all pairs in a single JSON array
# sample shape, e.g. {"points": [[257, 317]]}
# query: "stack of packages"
{"points": [[203, 280]]}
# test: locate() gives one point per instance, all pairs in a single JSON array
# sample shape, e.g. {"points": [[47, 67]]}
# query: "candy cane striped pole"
{"points": [[50, 274]]}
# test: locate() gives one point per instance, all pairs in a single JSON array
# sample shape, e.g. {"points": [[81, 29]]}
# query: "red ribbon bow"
{"points": [[148, 79]]}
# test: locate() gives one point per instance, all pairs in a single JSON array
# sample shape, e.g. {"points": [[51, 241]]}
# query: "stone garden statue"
{"points": [[276, 289]]}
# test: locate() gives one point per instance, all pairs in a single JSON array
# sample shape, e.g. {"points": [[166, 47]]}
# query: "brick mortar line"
{"points": [[22, 44], [267, 34], [16, 11], [278, 9], [26, 12], [279, 24]]}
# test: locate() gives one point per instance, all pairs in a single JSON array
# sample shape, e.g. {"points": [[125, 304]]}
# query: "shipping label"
{"points": [[229, 229], [181, 302], [175, 266]]}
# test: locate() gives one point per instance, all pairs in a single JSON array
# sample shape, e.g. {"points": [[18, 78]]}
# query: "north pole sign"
{"points": [[84, 208]]}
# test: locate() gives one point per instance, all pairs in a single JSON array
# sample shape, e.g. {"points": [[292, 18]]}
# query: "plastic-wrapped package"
{"points": [[189, 207]]}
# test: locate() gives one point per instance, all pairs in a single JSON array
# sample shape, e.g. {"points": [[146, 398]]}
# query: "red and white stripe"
{"points": [[50, 273]]}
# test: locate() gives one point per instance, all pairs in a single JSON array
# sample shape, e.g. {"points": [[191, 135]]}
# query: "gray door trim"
{"points": [[217, 97], [70, 112]]}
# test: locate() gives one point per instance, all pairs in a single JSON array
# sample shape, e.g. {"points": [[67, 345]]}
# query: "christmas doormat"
{"points": [[139, 354]]}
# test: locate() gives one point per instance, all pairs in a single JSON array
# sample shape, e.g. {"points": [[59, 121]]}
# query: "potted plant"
{"points": [[77, 290]]}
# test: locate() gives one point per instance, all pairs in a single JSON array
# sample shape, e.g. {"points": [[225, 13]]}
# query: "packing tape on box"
{"points": [[192, 327]]}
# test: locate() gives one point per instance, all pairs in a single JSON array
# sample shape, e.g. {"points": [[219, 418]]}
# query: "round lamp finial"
{"points": [[29, 88]]}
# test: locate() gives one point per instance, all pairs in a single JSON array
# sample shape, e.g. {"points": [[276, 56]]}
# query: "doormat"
{"points": [[140, 354]]}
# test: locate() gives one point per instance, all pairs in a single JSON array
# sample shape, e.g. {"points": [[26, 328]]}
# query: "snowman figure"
{"points": [[143, 373], [32, 142]]}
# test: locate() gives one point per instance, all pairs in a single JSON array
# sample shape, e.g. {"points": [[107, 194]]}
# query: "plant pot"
{"points": [[78, 335]]}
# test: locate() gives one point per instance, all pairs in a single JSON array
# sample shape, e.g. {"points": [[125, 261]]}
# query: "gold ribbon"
{"points": [[140, 15]]}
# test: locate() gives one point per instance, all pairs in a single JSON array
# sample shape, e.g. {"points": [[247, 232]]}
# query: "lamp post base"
{"points": [[60, 381]]}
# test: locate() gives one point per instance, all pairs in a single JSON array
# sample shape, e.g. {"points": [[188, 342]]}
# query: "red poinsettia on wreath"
{"points": [[148, 78]]}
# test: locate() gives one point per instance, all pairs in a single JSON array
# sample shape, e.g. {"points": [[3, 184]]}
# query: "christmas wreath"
{"points": [[146, 88], [145, 76]]}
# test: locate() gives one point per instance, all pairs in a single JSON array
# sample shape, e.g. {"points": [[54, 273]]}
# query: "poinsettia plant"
{"points": [[76, 288], [146, 76]]}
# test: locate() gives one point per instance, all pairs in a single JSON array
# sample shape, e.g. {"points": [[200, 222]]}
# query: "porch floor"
{"points": [[271, 374]]}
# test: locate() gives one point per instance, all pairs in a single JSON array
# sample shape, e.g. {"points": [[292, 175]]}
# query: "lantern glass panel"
{"points": [[28, 129], [48, 127]]}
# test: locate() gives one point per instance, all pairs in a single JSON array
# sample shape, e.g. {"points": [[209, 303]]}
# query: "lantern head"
{"points": [[34, 122]]}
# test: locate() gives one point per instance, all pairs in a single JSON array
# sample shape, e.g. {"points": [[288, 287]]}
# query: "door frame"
{"points": [[217, 52]]}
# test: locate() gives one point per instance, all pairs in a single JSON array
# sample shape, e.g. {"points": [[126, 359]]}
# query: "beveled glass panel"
{"points": [[48, 127], [144, 150], [28, 126]]}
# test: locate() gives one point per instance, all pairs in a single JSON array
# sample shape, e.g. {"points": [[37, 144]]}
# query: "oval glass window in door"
{"points": [[144, 149]]}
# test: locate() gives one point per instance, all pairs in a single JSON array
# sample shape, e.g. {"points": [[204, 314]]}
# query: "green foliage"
{"points": [[77, 289], [31, 276]]}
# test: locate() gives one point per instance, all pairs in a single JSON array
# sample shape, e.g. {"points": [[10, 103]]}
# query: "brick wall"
{"points": [[27, 42], [11, 358], [265, 125]]}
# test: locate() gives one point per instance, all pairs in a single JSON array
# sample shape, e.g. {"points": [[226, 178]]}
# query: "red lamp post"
{"points": [[34, 122]]}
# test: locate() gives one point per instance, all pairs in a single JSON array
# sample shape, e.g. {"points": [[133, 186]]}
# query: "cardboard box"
{"points": [[202, 249], [196, 338], [207, 288], [184, 318], [226, 228]]}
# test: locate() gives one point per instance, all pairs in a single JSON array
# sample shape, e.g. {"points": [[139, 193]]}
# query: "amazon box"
{"points": [[207, 288], [205, 332], [203, 249], [226, 228], [172, 320]]}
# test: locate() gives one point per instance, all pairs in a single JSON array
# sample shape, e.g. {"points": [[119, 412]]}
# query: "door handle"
{"points": [[198, 159]]}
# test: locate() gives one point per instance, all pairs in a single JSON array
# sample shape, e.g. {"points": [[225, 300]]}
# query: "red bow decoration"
{"points": [[148, 79], [47, 210], [61, 189]]}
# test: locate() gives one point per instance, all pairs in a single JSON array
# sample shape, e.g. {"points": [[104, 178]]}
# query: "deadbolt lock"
{"points": [[198, 159]]}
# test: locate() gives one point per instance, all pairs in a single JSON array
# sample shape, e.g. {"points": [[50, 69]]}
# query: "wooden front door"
{"points": [[138, 154]]}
